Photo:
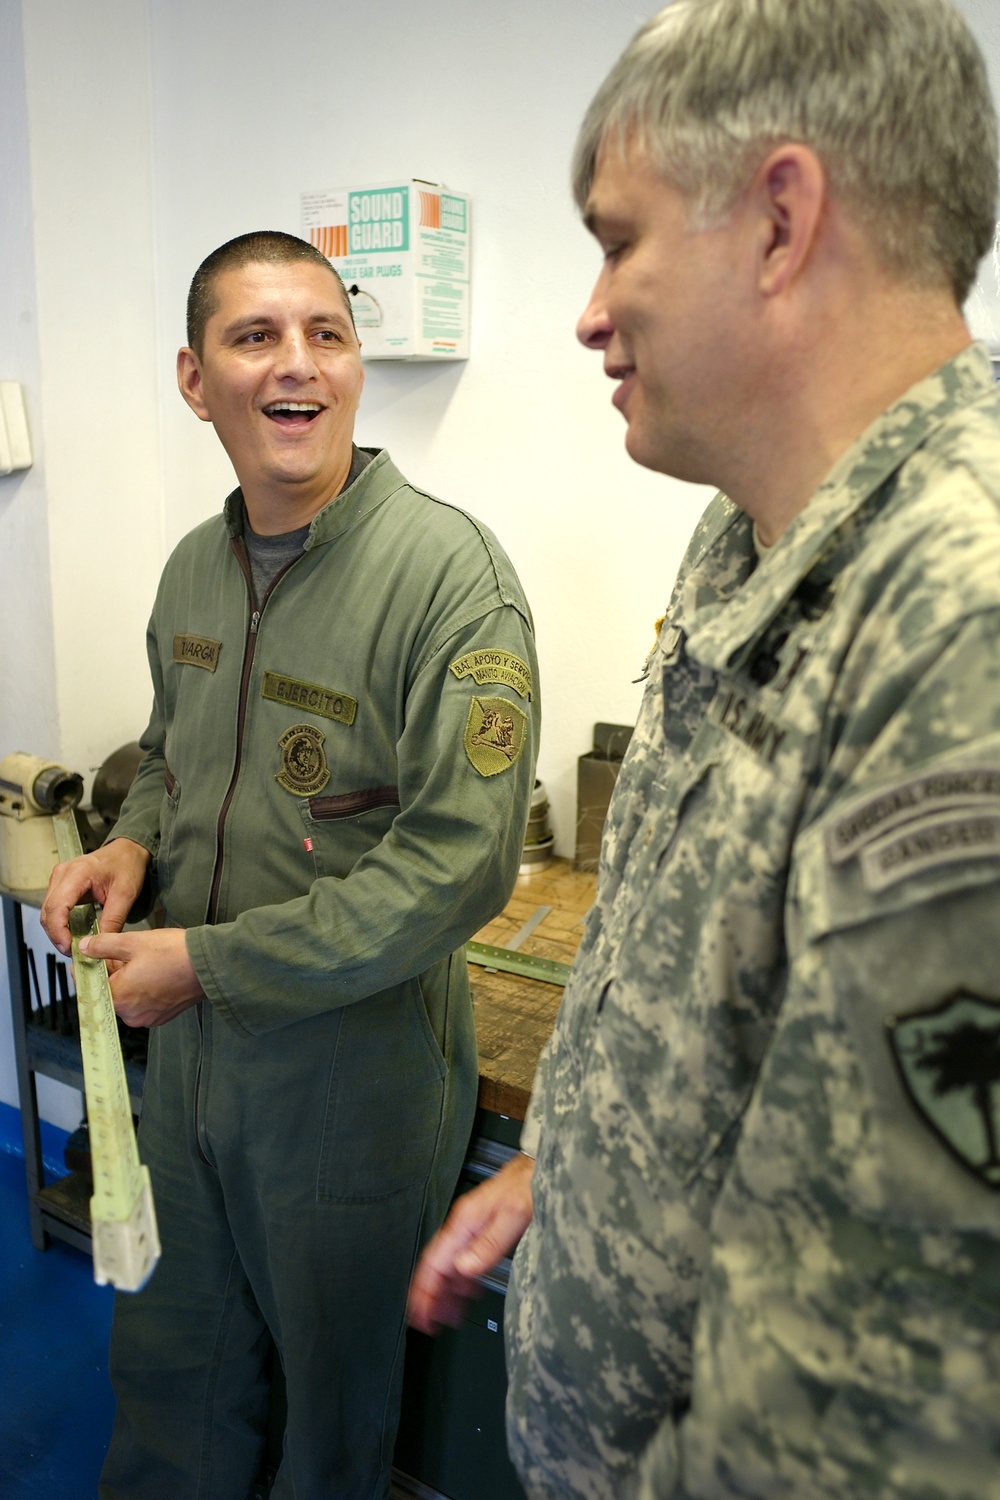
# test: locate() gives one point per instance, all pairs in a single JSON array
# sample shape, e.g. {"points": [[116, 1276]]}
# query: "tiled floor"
{"points": [[55, 1400]]}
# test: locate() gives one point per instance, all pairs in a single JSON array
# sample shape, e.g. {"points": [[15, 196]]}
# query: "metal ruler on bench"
{"points": [[526, 965], [508, 961], [122, 1217]]}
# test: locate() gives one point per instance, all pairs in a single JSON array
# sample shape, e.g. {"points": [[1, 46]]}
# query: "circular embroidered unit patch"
{"points": [[304, 770]]}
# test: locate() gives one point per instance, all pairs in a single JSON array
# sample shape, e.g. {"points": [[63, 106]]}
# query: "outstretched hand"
{"points": [[483, 1226]]}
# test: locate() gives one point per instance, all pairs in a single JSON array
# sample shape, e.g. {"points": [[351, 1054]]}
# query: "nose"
{"points": [[294, 358], [595, 327]]}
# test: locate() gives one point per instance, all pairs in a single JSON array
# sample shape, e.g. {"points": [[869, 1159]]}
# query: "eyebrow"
{"points": [[603, 212], [333, 316], [600, 221]]}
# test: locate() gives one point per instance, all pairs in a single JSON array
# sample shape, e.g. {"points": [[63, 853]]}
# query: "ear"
{"points": [[189, 382], [789, 192]]}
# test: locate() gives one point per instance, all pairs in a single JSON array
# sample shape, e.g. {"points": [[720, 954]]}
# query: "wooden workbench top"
{"points": [[514, 1016]]}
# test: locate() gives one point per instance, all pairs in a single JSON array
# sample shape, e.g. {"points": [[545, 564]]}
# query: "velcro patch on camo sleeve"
{"points": [[872, 816], [493, 665], [949, 1063], [926, 843], [495, 733]]}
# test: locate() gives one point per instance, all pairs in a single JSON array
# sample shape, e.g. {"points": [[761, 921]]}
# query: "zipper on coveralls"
{"points": [[249, 649]]}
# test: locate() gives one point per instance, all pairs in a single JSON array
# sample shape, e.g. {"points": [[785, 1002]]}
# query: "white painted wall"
{"points": [[82, 535], [29, 717], [487, 99], [140, 134], [87, 70]]}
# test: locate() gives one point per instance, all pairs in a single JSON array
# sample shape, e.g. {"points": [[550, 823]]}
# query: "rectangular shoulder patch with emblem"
{"points": [[197, 651], [326, 702], [493, 665], [915, 797]]}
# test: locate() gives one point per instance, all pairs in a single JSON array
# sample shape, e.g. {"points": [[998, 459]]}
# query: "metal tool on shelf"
{"points": [[32, 792], [126, 1242]]}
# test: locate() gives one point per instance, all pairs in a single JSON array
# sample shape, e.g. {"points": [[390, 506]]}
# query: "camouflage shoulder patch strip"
{"points": [[326, 702], [493, 665], [873, 816], [197, 651], [925, 843]]}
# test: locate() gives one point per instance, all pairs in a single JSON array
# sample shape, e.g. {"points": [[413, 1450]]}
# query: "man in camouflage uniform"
{"points": [[765, 1252]]}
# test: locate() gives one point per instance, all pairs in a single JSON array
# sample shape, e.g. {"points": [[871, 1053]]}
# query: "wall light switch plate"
{"points": [[15, 444]]}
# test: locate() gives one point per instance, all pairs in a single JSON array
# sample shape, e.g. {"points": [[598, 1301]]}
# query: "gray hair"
{"points": [[892, 95]]}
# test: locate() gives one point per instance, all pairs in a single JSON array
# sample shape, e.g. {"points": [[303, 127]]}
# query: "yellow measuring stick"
{"points": [[122, 1217]]}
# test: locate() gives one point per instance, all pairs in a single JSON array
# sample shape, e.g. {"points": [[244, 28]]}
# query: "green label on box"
{"points": [[378, 219], [453, 214]]}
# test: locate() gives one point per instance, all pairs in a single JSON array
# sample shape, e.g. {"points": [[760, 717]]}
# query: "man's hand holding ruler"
{"points": [[122, 1217]]}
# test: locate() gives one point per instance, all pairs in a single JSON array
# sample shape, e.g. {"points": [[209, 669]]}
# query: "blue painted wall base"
{"points": [[56, 1406]]}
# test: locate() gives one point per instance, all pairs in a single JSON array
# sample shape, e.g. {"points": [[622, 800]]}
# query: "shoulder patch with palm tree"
{"points": [[949, 1061]]}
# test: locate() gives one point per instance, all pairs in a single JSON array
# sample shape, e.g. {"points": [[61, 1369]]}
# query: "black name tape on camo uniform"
{"points": [[197, 651], [742, 716]]}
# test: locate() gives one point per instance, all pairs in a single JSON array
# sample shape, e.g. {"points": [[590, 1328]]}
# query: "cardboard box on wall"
{"points": [[402, 250]]}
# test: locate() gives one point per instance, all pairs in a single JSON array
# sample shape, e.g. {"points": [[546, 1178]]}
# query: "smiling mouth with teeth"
{"points": [[288, 412]]}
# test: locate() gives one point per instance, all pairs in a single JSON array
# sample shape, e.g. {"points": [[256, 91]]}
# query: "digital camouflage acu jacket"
{"points": [[766, 1251]]}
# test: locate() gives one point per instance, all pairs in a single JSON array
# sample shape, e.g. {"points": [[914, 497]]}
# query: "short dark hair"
{"points": [[270, 246]]}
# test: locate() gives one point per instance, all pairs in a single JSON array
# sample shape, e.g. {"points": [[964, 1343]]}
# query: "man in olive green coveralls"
{"points": [[764, 1258], [337, 779]]}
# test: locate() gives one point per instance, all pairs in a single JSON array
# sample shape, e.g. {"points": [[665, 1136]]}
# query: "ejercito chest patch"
{"points": [[949, 1063], [304, 770], [197, 651], [494, 735], [311, 695]]}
